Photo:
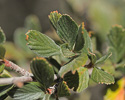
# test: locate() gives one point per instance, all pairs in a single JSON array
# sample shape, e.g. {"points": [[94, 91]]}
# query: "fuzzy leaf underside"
{"points": [[41, 44], [100, 76]]}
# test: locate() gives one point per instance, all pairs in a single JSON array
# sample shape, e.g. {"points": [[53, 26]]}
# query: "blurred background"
{"points": [[18, 16]]}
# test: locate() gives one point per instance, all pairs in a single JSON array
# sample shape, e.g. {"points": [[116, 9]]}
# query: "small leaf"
{"points": [[117, 40], [4, 89], [2, 68], [32, 22], [42, 71], [74, 64], [28, 92], [79, 40], [2, 36], [5, 74], [62, 89], [41, 44], [78, 81], [54, 17], [67, 30], [2, 52], [66, 52], [100, 76], [102, 59]]}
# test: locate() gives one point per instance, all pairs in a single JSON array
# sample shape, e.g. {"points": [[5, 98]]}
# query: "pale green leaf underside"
{"points": [[88, 43], [102, 59], [100, 76], [28, 92], [74, 64], [41, 44], [83, 79], [65, 51]]}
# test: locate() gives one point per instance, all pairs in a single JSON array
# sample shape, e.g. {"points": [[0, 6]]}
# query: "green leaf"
{"points": [[65, 51], [88, 44], [2, 52], [102, 59], [108, 67], [28, 92], [62, 89], [54, 17], [19, 39], [100, 76], [74, 64], [83, 79], [41, 44], [5, 74], [78, 81], [2, 36], [2, 68], [46, 97], [4, 89], [32, 23], [42, 71], [79, 40], [117, 40], [67, 30]]}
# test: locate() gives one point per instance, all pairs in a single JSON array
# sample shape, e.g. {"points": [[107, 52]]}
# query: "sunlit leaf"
{"points": [[54, 17], [41, 44], [102, 59], [74, 64], [28, 92], [100, 76]]}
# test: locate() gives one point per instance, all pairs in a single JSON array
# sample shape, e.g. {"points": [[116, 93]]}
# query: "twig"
{"points": [[16, 68], [15, 80]]}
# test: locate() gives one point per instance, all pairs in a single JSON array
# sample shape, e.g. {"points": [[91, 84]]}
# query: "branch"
{"points": [[16, 68], [15, 80]]}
